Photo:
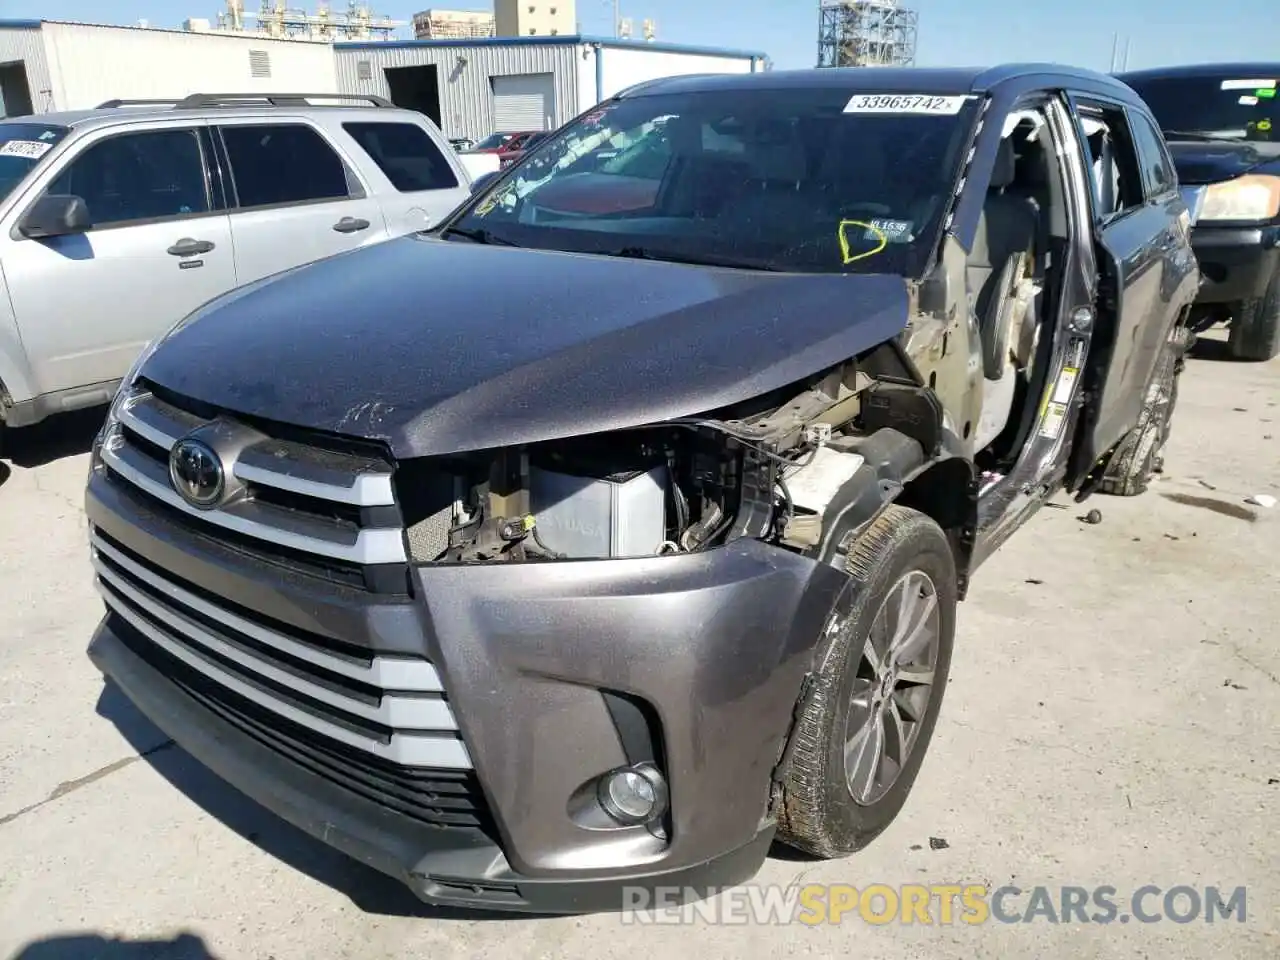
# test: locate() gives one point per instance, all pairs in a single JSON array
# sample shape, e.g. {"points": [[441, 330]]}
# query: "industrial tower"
{"points": [[866, 33]]}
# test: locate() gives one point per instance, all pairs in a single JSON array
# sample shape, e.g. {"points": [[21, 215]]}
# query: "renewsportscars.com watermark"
{"points": [[941, 904]]}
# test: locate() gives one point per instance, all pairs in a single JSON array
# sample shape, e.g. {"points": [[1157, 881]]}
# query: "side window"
{"points": [[1159, 169], [406, 154], [1115, 168], [274, 164], [152, 175]]}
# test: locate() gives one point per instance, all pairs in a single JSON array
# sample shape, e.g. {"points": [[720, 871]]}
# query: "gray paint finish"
{"points": [[466, 91], [27, 44]]}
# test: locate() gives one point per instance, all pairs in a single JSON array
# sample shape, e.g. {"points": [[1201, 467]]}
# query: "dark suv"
{"points": [[1220, 122], [616, 528]]}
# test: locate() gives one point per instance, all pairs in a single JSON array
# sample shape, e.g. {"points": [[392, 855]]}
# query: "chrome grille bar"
{"points": [[364, 546], [403, 674], [348, 480], [440, 749]]}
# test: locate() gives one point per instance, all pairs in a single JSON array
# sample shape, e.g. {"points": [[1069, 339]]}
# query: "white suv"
{"points": [[117, 222]]}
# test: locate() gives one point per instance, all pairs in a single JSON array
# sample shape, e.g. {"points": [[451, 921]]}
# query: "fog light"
{"points": [[634, 795]]}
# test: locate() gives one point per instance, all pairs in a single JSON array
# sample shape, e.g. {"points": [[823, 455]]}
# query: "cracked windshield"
{"points": [[797, 180]]}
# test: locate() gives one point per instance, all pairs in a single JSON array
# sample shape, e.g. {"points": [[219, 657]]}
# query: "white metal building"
{"points": [[48, 65], [473, 88]]}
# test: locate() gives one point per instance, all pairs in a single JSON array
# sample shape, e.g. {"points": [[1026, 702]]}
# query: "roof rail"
{"points": [[197, 100], [110, 104]]}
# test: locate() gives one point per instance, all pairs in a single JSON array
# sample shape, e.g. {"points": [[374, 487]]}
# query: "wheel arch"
{"points": [[946, 491]]}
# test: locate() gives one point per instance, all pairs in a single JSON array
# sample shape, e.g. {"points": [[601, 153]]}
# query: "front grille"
{"points": [[391, 708], [376, 724], [315, 510]]}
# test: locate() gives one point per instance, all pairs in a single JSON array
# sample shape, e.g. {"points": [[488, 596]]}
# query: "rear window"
{"points": [[406, 154], [22, 146], [275, 164]]}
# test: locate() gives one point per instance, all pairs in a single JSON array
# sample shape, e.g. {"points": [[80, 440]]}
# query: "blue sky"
{"points": [[957, 32]]}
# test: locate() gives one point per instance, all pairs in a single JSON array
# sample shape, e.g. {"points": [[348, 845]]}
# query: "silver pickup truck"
{"points": [[115, 222]]}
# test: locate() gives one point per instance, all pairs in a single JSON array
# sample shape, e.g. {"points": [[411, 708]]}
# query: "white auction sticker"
{"points": [[1248, 84], [31, 149], [905, 103], [1054, 417], [1062, 394]]}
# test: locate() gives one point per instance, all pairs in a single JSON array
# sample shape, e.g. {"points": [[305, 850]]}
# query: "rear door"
{"points": [[422, 183], [160, 246], [1131, 224], [295, 197]]}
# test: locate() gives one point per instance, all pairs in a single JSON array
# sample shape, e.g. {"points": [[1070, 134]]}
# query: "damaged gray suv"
{"points": [[615, 529]]}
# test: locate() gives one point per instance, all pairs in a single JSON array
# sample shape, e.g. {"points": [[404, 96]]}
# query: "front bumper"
{"points": [[1237, 263], [716, 646]]}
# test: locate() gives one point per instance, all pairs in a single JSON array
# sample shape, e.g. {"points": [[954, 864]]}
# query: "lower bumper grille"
{"points": [[442, 798], [377, 725]]}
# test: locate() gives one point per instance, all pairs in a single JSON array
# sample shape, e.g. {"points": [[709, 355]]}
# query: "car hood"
{"points": [[436, 347], [1201, 162]]}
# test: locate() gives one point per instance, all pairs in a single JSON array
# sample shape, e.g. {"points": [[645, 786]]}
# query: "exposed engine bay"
{"points": [[767, 469]]}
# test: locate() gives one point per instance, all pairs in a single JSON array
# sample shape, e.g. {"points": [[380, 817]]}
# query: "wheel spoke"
{"points": [[872, 657], [911, 702], [862, 691], [917, 632], [862, 757], [915, 675], [898, 741], [879, 642]]}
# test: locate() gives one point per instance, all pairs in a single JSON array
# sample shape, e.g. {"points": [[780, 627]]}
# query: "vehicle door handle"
{"points": [[186, 247], [351, 225]]}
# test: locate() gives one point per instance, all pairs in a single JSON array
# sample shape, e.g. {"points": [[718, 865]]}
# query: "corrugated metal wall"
{"points": [[27, 44], [466, 94], [93, 63], [624, 67]]}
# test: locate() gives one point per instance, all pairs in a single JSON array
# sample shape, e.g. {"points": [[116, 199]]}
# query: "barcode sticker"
{"points": [[905, 103], [31, 149]]}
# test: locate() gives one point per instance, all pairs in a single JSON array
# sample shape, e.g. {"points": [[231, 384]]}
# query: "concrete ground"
{"points": [[1113, 719]]}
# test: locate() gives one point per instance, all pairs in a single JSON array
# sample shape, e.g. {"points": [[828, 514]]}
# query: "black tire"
{"points": [[818, 814], [1255, 328], [1140, 455]]}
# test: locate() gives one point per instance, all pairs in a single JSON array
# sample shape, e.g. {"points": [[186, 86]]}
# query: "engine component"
{"points": [[620, 515], [812, 487]]}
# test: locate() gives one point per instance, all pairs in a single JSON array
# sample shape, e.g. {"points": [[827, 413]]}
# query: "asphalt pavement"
{"points": [[1113, 720]]}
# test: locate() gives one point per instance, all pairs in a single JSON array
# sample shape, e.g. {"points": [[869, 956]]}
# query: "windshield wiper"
{"points": [[700, 260], [477, 235], [1197, 135]]}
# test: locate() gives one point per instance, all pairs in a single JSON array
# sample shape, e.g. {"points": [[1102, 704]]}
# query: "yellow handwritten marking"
{"points": [[881, 237]]}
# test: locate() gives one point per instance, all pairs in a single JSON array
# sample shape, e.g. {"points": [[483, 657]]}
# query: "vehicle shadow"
{"points": [[92, 946], [369, 890], [64, 435], [1212, 350]]}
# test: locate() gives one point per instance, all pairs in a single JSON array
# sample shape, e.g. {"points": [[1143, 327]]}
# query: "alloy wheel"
{"points": [[892, 688]]}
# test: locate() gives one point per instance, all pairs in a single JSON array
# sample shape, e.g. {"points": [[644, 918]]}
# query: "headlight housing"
{"points": [[1251, 197]]}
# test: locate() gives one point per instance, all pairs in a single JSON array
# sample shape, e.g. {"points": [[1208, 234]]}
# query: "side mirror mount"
{"points": [[56, 215], [483, 181]]}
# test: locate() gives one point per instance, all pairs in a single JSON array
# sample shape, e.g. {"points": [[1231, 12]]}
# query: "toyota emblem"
{"points": [[196, 473]]}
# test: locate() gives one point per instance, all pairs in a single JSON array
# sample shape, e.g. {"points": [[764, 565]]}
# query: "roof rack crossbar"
{"points": [[272, 99]]}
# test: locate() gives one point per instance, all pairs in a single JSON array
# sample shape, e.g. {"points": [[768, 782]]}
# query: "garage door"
{"points": [[524, 102]]}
